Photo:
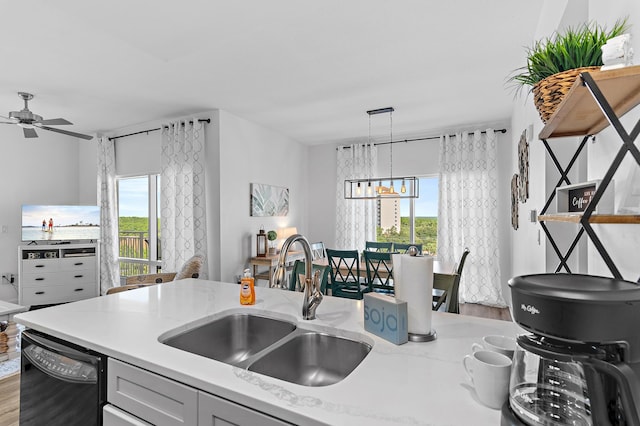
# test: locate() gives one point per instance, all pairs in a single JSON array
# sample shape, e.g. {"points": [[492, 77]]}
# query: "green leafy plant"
{"points": [[574, 48], [272, 235]]}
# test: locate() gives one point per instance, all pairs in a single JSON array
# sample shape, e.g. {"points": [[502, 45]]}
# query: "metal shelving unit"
{"points": [[594, 102]]}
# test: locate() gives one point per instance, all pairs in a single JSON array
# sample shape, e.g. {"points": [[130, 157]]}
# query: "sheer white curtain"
{"points": [[183, 208], [109, 243], [468, 213], [355, 219]]}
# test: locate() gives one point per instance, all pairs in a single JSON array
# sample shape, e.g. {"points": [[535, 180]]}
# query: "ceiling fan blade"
{"points": [[66, 132], [29, 133], [54, 122]]}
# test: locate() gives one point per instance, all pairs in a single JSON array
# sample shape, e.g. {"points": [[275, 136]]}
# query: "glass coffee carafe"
{"points": [[546, 391], [557, 383]]}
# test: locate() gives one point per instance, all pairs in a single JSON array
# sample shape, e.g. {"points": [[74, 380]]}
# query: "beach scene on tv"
{"points": [[60, 223]]}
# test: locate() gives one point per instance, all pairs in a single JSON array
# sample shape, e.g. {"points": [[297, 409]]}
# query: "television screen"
{"points": [[60, 223]]}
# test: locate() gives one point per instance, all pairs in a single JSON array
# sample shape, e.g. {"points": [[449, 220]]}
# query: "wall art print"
{"points": [[269, 200], [523, 165], [514, 201]]}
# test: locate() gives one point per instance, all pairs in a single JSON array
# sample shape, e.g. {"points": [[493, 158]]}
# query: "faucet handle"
{"points": [[316, 281]]}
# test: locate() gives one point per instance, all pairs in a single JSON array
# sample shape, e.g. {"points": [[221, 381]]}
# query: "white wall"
{"points": [[253, 154], [43, 170]]}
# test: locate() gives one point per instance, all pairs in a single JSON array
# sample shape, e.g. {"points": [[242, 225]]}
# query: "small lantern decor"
{"points": [[261, 244]]}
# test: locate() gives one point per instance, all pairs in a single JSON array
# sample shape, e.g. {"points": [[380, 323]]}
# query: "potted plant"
{"points": [[271, 236], [555, 62]]}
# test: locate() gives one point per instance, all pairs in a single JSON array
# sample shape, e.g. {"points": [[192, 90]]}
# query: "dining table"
{"points": [[441, 269]]}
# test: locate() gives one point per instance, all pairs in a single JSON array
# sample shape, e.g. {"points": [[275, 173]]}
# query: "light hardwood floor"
{"points": [[10, 385], [10, 400]]}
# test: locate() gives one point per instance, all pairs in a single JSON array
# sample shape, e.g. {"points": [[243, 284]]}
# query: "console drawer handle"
{"points": [[78, 276], [78, 264], [39, 279], [40, 266], [78, 289], [39, 292]]}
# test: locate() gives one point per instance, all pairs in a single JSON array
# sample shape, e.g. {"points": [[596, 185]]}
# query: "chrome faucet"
{"points": [[312, 293]]}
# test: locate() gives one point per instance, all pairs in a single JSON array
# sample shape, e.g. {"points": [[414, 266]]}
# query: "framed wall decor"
{"points": [[523, 166], [515, 191], [268, 200]]}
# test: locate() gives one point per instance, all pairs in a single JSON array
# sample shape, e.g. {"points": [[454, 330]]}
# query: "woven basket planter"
{"points": [[549, 92]]}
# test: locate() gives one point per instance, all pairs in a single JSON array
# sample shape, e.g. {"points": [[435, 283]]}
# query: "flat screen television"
{"points": [[71, 223]]}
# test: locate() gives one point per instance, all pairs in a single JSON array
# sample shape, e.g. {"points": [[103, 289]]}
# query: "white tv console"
{"points": [[57, 273]]}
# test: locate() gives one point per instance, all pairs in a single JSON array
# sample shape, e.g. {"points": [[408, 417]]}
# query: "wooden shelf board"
{"points": [[578, 114], [596, 218]]}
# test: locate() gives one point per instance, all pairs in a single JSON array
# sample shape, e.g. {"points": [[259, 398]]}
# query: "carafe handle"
{"points": [[628, 383]]}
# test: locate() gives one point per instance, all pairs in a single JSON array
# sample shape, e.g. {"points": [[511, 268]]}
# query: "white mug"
{"points": [[504, 345], [489, 372]]}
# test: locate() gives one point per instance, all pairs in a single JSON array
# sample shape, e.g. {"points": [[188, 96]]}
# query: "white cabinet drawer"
{"points": [[215, 411], [149, 396], [60, 278], [113, 416], [46, 294], [78, 263], [40, 265]]}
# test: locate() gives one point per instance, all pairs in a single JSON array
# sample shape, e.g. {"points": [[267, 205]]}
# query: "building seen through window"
{"points": [[411, 220]]}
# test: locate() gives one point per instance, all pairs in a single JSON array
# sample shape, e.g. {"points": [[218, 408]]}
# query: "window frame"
{"points": [[152, 264]]}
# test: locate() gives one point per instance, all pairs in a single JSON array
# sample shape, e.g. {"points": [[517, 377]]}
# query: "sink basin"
{"points": [[312, 359], [233, 338]]}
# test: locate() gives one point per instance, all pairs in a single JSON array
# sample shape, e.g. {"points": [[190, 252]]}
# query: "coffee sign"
{"points": [[579, 198]]}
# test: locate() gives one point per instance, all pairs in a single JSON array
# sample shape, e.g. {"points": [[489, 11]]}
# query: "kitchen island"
{"points": [[412, 384]]}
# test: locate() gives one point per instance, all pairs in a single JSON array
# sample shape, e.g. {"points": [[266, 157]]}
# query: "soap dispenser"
{"points": [[247, 289]]}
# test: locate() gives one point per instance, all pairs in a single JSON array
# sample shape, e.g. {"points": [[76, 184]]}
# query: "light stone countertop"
{"points": [[410, 384]]}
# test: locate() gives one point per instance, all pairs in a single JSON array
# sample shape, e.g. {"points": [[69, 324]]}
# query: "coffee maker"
{"points": [[580, 364]]}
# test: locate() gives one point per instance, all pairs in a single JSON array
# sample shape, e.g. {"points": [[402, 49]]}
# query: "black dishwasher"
{"points": [[60, 383]]}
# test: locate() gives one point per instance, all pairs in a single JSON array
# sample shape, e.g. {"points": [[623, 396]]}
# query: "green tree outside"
{"points": [[426, 233]]}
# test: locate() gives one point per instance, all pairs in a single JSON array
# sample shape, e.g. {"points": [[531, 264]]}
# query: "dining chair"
{"points": [[344, 270], [450, 284], [379, 271], [318, 250], [378, 246], [299, 268], [404, 247]]}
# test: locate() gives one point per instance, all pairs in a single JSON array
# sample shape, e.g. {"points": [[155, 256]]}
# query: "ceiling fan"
{"points": [[30, 121]]}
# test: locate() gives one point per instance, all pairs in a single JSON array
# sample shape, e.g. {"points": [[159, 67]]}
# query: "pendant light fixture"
{"points": [[354, 188]]}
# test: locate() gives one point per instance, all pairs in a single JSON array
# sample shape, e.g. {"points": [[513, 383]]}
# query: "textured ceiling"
{"points": [[306, 69]]}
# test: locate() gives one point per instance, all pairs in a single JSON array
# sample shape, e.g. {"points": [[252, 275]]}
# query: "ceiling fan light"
{"points": [[26, 125]]}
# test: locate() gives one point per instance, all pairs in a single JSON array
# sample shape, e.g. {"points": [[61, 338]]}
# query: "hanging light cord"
{"points": [[391, 146]]}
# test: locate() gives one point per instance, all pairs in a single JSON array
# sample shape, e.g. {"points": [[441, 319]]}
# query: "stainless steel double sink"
{"points": [[274, 347]]}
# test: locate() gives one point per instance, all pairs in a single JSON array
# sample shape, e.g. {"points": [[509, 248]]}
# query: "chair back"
{"points": [[378, 246], [404, 247], [126, 287], [299, 268], [344, 270], [379, 271], [318, 251], [451, 285]]}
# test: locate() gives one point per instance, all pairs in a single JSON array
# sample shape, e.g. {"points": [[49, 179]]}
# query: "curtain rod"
{"points": [[416, 139], [201, 120]]}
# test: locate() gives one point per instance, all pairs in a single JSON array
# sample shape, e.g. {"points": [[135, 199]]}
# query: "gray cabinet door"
{"points": [[215, 411], [151, 397]]}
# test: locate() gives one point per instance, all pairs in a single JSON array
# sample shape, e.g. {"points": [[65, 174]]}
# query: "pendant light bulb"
{"points": [[358, 189], [380, 187], [403, 188], [391, 190], [369, 188]]}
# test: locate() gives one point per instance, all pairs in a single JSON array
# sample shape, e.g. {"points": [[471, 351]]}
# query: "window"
{"points": [[417, 221], [139, 225]]}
